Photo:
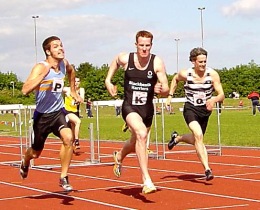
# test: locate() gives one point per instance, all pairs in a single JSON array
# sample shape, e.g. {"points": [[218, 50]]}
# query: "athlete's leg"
{"points": [[30, 154], [74, 119], [198, 143], [129, 147], [148, 139], [66, 150], [138, 128]]}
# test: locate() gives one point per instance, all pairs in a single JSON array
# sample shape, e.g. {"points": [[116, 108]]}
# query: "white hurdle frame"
{"points": [[29, 109], [156, 155], [17, 109], [112, 103]]}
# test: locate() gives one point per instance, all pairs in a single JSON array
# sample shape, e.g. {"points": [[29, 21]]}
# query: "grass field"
{"points": [[237, 126]]}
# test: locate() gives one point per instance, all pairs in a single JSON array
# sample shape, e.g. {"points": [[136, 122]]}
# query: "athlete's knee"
{"points": [[67, 138], [37, 154], [198, 136], [141, 135], [68, 141], [33, 153], [78, 122]]}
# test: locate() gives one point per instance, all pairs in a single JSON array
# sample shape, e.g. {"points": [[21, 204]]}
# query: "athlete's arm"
{"points": [[162, 77], [71, 77], [37, 74], [120, 60], [180, 76], [218, 88], [66, 91]]}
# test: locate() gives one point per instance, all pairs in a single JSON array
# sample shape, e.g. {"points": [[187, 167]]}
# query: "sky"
{"points": [[95, 31]]}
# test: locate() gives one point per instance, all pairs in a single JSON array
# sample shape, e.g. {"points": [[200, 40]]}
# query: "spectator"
{"points": [[89, 108], [254, 96], [118, 104]]}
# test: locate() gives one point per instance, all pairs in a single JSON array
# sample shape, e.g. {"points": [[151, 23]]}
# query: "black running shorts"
{"points": [[196, 113], [146, 112], [46, 123]]}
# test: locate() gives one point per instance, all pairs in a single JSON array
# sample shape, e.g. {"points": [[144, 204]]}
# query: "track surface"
{"points": [[179, 179]]}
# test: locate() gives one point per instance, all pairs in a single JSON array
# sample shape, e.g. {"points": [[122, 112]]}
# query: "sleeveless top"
{"points": [[70, 104], [139, 84], [49, 93], [198, 93]]}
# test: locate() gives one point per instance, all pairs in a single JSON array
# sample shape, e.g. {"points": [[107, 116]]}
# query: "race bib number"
{"points": [[139, 98], [199, 99], [57, 85]]}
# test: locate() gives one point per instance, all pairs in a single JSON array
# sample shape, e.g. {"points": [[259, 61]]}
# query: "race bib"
{"points": [[57, 85], [199, 99], [139, 98]]}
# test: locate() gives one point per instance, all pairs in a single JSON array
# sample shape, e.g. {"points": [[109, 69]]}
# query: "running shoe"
{"points": [[173, 142], [64, 183], [149, 152], [117, 166], [209, 175], [76, 144], [124, 127], [148, 187], [23, 170]]}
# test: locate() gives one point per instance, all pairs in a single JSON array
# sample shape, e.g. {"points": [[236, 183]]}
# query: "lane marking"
{"points": [[67, 196], [222, 207]]}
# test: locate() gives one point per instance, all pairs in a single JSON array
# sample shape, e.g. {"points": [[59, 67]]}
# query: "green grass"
{"points": [[237, 127]]}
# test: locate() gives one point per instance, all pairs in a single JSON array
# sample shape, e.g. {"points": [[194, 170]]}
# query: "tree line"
{"points": [[241, 79]]}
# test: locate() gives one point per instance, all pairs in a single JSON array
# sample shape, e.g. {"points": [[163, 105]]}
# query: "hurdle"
{"points": [[155, 154], [15, 109], [74, 163], [97, 104]]}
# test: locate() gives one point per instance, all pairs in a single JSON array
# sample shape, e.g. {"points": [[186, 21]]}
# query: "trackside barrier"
{"points": [[159, 153], [16, 109], [156, 154], [95, 155], [25, 142], [74, 163]]}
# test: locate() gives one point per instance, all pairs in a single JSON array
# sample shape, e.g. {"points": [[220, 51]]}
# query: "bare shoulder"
{"points": [[158, 60], [65, 62], [122, 58], [214, 73], [182, 75], [40, 67], [158, 64]]}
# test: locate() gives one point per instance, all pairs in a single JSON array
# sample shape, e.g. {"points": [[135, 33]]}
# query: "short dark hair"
{"points": [[46, 43], [145, 34], [197, 51]]}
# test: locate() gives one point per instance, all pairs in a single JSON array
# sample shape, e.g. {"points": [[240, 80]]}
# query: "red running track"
{"points": [[179, 179]]}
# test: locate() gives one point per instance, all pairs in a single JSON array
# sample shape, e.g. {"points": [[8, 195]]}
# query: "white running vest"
{"points": [[198, 93]]}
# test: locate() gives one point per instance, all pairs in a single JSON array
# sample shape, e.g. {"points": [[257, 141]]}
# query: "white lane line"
{"points": [[67, 196], [202, 175], [168, 188], [213, 163], [221, 207], [211, 194]]}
